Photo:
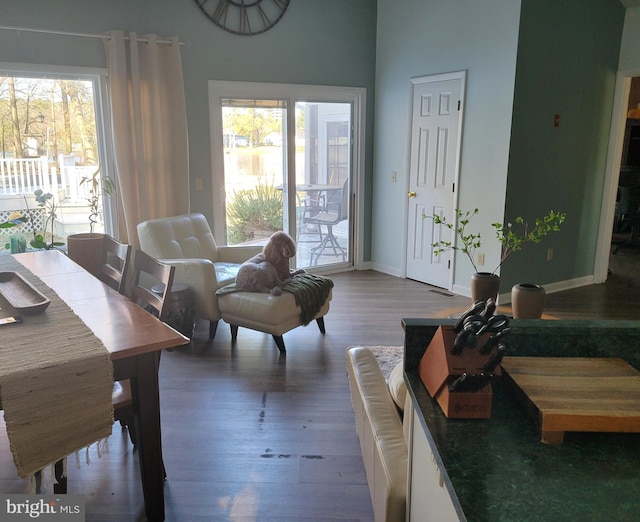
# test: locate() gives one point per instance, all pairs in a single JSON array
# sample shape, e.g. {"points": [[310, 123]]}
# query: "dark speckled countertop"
{"points": [[499, 469]]}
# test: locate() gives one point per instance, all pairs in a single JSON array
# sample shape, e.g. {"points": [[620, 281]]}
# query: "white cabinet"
{"points": [[429, 497]]}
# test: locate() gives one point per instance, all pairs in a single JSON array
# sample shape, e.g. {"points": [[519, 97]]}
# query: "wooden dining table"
{"points": [[134, 339]]}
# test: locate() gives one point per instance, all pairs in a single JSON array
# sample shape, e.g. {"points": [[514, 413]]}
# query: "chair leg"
{"points": [[280, 343], [127, 421], [213, 327], [234, 333], [61, 487], [328, 246], [320, 321]]}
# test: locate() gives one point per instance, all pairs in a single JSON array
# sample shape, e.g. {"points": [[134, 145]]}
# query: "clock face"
{"points": [[244, 17]]}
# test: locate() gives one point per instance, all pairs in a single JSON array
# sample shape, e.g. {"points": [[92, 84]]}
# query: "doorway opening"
{"points": [[625, 247]]}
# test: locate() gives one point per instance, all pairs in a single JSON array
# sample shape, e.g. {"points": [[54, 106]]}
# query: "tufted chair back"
{"points": [[186, 236]]}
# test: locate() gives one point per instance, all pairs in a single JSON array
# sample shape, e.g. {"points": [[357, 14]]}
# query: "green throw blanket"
{"points": [[309, 290]]}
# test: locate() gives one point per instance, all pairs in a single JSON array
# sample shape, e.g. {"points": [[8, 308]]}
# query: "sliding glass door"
{"points": [[287, 165], [323, 172], [254, 147]]}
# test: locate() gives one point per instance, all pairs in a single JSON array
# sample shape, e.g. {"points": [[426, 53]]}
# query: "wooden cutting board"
{"points": [[578, 393]]}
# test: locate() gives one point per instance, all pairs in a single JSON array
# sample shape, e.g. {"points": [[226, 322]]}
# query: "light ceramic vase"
{"points": [[527, 301], [86, 250], [484, 285]]}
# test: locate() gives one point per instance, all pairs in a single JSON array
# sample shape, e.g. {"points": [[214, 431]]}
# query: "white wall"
{"points": [[423, 37], [630, 49]]}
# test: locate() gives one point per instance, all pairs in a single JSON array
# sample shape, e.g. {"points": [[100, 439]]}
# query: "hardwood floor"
{"points": [[250, 435], [618, 298]]}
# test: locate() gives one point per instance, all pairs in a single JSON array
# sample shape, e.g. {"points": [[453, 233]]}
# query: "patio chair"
{"points": [[334, 210]]}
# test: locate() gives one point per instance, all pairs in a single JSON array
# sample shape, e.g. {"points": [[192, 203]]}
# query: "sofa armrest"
{"points": [[380, 430], [237, 254], [200, 276]]}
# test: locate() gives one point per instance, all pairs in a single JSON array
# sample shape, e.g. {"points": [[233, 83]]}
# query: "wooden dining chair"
{"points": [[114, 267], [114, 263], [152, 284], [150, 276]]}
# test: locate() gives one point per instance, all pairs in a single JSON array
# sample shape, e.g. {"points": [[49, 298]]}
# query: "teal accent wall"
{"points": [[629, 55], [525, 61], [328, 42], [567, 61]]}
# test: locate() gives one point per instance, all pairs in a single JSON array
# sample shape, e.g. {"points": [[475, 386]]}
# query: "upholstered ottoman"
{"points": [[304, 298]]}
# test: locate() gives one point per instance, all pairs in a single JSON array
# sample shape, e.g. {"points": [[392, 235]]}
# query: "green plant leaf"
{"points": [[511, 240]]}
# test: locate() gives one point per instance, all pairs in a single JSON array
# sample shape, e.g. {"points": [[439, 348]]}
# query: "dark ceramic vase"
{"points": [[527, 301], [484, 285]]}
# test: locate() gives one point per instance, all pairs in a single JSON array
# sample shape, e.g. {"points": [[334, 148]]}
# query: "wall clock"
{"points": [[244, 17]]}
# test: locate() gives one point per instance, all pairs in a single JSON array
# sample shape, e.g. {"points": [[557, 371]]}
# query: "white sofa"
{"points": [[383, 439]]}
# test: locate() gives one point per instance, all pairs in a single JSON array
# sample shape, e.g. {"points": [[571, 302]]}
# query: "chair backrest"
{"points": [[344, 208], [334, 207], [152, 284], [338, 202], [184, 236], [114, 263]]}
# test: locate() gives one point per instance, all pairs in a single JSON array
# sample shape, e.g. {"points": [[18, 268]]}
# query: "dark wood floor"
{"points": [[250, 435]]}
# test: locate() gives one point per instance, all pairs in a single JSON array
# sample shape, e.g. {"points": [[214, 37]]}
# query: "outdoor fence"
{"points": [[20, 178]]}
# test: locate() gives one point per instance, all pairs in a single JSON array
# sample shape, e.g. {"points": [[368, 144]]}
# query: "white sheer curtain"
{"points": [[148, 117]]}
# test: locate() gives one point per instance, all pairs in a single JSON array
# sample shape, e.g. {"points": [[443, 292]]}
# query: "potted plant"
{"points": [[39, 241], [17, 242], [99, 187], [486, 284], [86, 248]]}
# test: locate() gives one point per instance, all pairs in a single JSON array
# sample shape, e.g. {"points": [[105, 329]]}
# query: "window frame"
{"points": [[98, 76], [291, 93]]}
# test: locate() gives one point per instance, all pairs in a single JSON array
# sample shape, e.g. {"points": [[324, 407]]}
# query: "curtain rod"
{"points": [[87, 35]]}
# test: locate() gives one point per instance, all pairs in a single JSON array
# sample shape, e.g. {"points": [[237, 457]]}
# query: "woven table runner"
{"points": [[56, 381]]}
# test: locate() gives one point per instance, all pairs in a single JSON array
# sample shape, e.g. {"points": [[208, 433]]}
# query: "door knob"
{"points": [[412, 194]]}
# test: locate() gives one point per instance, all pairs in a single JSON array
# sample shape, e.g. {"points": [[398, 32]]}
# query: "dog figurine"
{"points": [[267, 271]]}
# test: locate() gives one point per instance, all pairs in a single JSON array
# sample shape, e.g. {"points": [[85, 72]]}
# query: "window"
{"points": [[284, 159], [51, 138]]}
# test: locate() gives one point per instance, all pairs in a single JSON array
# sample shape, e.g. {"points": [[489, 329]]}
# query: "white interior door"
{"points": [[435, 126]]}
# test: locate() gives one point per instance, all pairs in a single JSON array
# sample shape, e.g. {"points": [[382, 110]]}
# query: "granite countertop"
{"points": [[498, 467]]}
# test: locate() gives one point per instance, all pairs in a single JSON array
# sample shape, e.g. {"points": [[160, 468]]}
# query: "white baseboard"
{"points": [[462, 290], [552, 288], [365, 265], [390, 270], [504, 298]]}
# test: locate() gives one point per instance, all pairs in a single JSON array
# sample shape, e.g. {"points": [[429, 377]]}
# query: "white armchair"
{"points": [[187, 243]]}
